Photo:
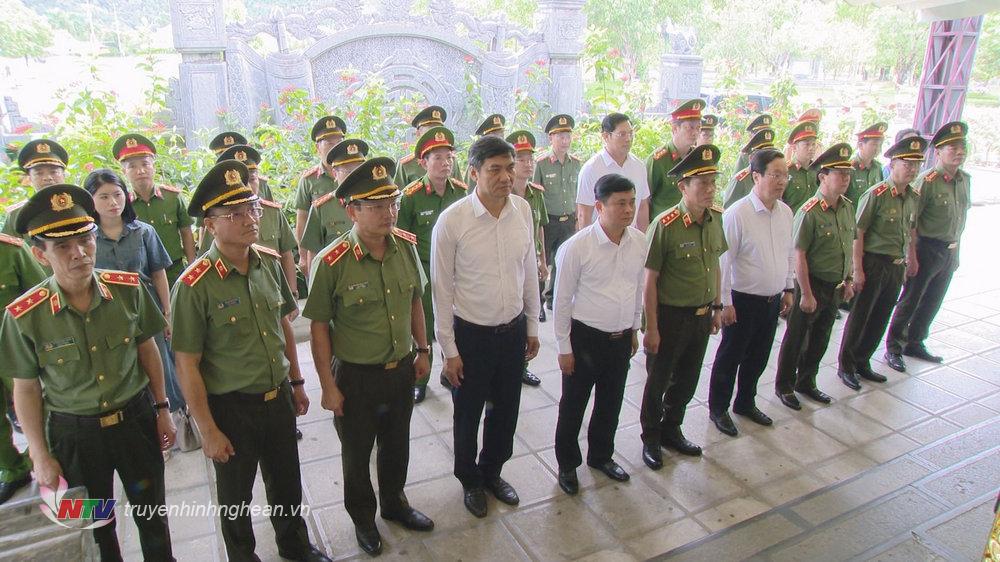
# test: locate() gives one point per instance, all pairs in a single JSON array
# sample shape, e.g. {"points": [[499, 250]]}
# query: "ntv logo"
{"points": [[65, 511]]}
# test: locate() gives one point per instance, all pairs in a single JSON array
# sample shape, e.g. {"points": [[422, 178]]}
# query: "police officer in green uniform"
{"points": [[318, 180], [238, 366], [801, 176], [328, 218], [423, 201], [494, 125], [685, 122], [44, 161], [524, 169], [867, 168], [18, 273], [741, 184], [759, 123], [222, 141], [824, 232], [162, 206], [945, 198], [408, 168], [886, 215], [706, 134], [81, 341], [366, 312], [682, 302], [557, 172]]}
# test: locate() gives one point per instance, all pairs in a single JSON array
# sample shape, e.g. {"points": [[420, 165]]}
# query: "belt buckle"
{"points": [[270, 395], [111, 419], [616, 335], [701, 310], [953, 245], [564, 218], [898, 261], [391, 365]]}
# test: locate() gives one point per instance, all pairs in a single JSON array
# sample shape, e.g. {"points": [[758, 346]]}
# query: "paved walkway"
{"points": [[907, 469]]}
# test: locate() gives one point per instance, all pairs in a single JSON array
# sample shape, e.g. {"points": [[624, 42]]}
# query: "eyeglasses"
{"points": [[254, 213], [623, 134], [390, 207]]}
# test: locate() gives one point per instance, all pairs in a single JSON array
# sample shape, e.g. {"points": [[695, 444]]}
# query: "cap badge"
{"points": [[881, 128], [696, 106], [43, 148], [768, 136], [352, 149], [706, 154], [915, 145], [439, 137], [845, 152], [562, 121], [233, 177], [379, 173], [436, 114], [131, 143], [956, 129], [62, 202], [521, 139], [241, 156], [331, 124], [228, 141], [766, 120], [496, 120]]}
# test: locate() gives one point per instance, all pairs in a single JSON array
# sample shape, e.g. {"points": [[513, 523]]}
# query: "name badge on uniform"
{"points": [[685, 245], [354, 286], [228, 303], [552, 175], [427, 212], [49, 346]]}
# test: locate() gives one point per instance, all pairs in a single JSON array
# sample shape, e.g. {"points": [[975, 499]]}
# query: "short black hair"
{"points": [[612, 120], [487, 147], [906, 133], [760, 159], [101, 176], [610, 184]]}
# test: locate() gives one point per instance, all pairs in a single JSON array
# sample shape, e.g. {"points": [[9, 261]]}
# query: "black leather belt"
{"points": [[500, 329], [627, 333], [765, 298], [138, 404], [695, 310], [885, 258], [253, 397], [380, 366], [561, 218], [939, 243]]}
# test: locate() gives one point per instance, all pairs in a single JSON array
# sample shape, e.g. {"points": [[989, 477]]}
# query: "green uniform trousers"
{"points": [[871, 310], [13, 464], [807, 336], [922, 294]]}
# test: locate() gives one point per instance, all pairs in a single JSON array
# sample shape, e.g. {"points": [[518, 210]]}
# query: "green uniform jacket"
{"points": [[802, 184], [686, 254], [167, 212], [887, 213], [663, 190], [312, 186], [827, 235], [274, 231], [409, 170], [19, 271], [534, 194], [368, 301], [739, 187], [87, 362], [326, 222], [944, 204], [233, 320], [12, 211], [558, 180], [420, 208], [862, 178]]}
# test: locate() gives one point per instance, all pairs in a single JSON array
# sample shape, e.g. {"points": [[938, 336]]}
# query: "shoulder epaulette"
{"points": [[27, 301], [931, 176], [537, 186], [271, 204], [336, 253], [12, 240], [120, 277], [15, 206], [266, 250], [670, 217], [809, 204], [660, 153], [845, 198], [405, 235], [459, 183], [170, 188], [574, 158], [406, 159], [314, 171], [319, 201], [718, 208], [743, 173], [915, 189], [543, 156], [196, 271], [414, 186], [881, 189]]}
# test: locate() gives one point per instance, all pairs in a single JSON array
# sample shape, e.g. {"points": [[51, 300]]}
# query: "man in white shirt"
{"points": [[485, 290], [757, 284], [598, 309], [618, 134]]}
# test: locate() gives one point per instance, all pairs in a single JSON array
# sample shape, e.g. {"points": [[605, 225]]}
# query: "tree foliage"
{"points": [[23, 33]]}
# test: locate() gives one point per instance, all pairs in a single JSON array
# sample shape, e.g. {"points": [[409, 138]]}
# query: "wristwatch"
{"points": [[161, 405], [423, 350]]}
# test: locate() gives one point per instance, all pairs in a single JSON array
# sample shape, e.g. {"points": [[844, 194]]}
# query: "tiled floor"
{"points": [[902, 470]]}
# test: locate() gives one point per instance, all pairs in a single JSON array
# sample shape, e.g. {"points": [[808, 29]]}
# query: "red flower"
{"points": [[541, 62], [351, 114], [468, 59], [89, 166], [21, 129], [264, 106], [614, 53], [221, 111], [288, 89]]}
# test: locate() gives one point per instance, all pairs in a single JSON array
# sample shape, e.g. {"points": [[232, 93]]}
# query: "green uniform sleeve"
{"points": [[657, 244], [312, 234], [19, 358], [319, 303], [544, 217], [866, 209], [288, 299], [303, 200], [400, 177], [407, 214], [802, 230], [150, 321], [184, 220], [418, 291], [188, 320], [286, 239], [29, 272]]}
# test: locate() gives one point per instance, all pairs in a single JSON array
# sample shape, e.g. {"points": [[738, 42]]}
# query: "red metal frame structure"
{"points": [[944, 82]]}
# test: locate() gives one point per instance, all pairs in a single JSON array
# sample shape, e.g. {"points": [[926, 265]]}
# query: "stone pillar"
{"points": [[199, 32], [563, 25], [680, 79]]}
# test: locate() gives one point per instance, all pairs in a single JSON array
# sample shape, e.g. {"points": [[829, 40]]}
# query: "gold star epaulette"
{"points": [[931, 176], [336, 253], [459, 183], [413, 187], [743, 173], [271, 204], [405, 235], [670, 217], [312, 172], [810, 204], [660, 153], [28, 301], [718, 208], [15, 206], [120, 278], [268, 251], [12, 240], [881, 189], [543, 156], [170, 188], [574, 158], [536, 186], [406, 159], [321, 200], [196, 271]]}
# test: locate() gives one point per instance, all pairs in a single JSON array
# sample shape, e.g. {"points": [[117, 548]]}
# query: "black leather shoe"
{"points": [[369, 540], [309, 554], [8, 489], [568, 482], [541, 315], [475, 501], [920, 352], [816, 394], [502, 491], [679, 443], [895, 361], [652, 456], [850, 380], [789, 400], [298, 434], [529, 378], [868, 374], [612, 470], [419, 393], [411, 519], [724, 423], [755, 415]]}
